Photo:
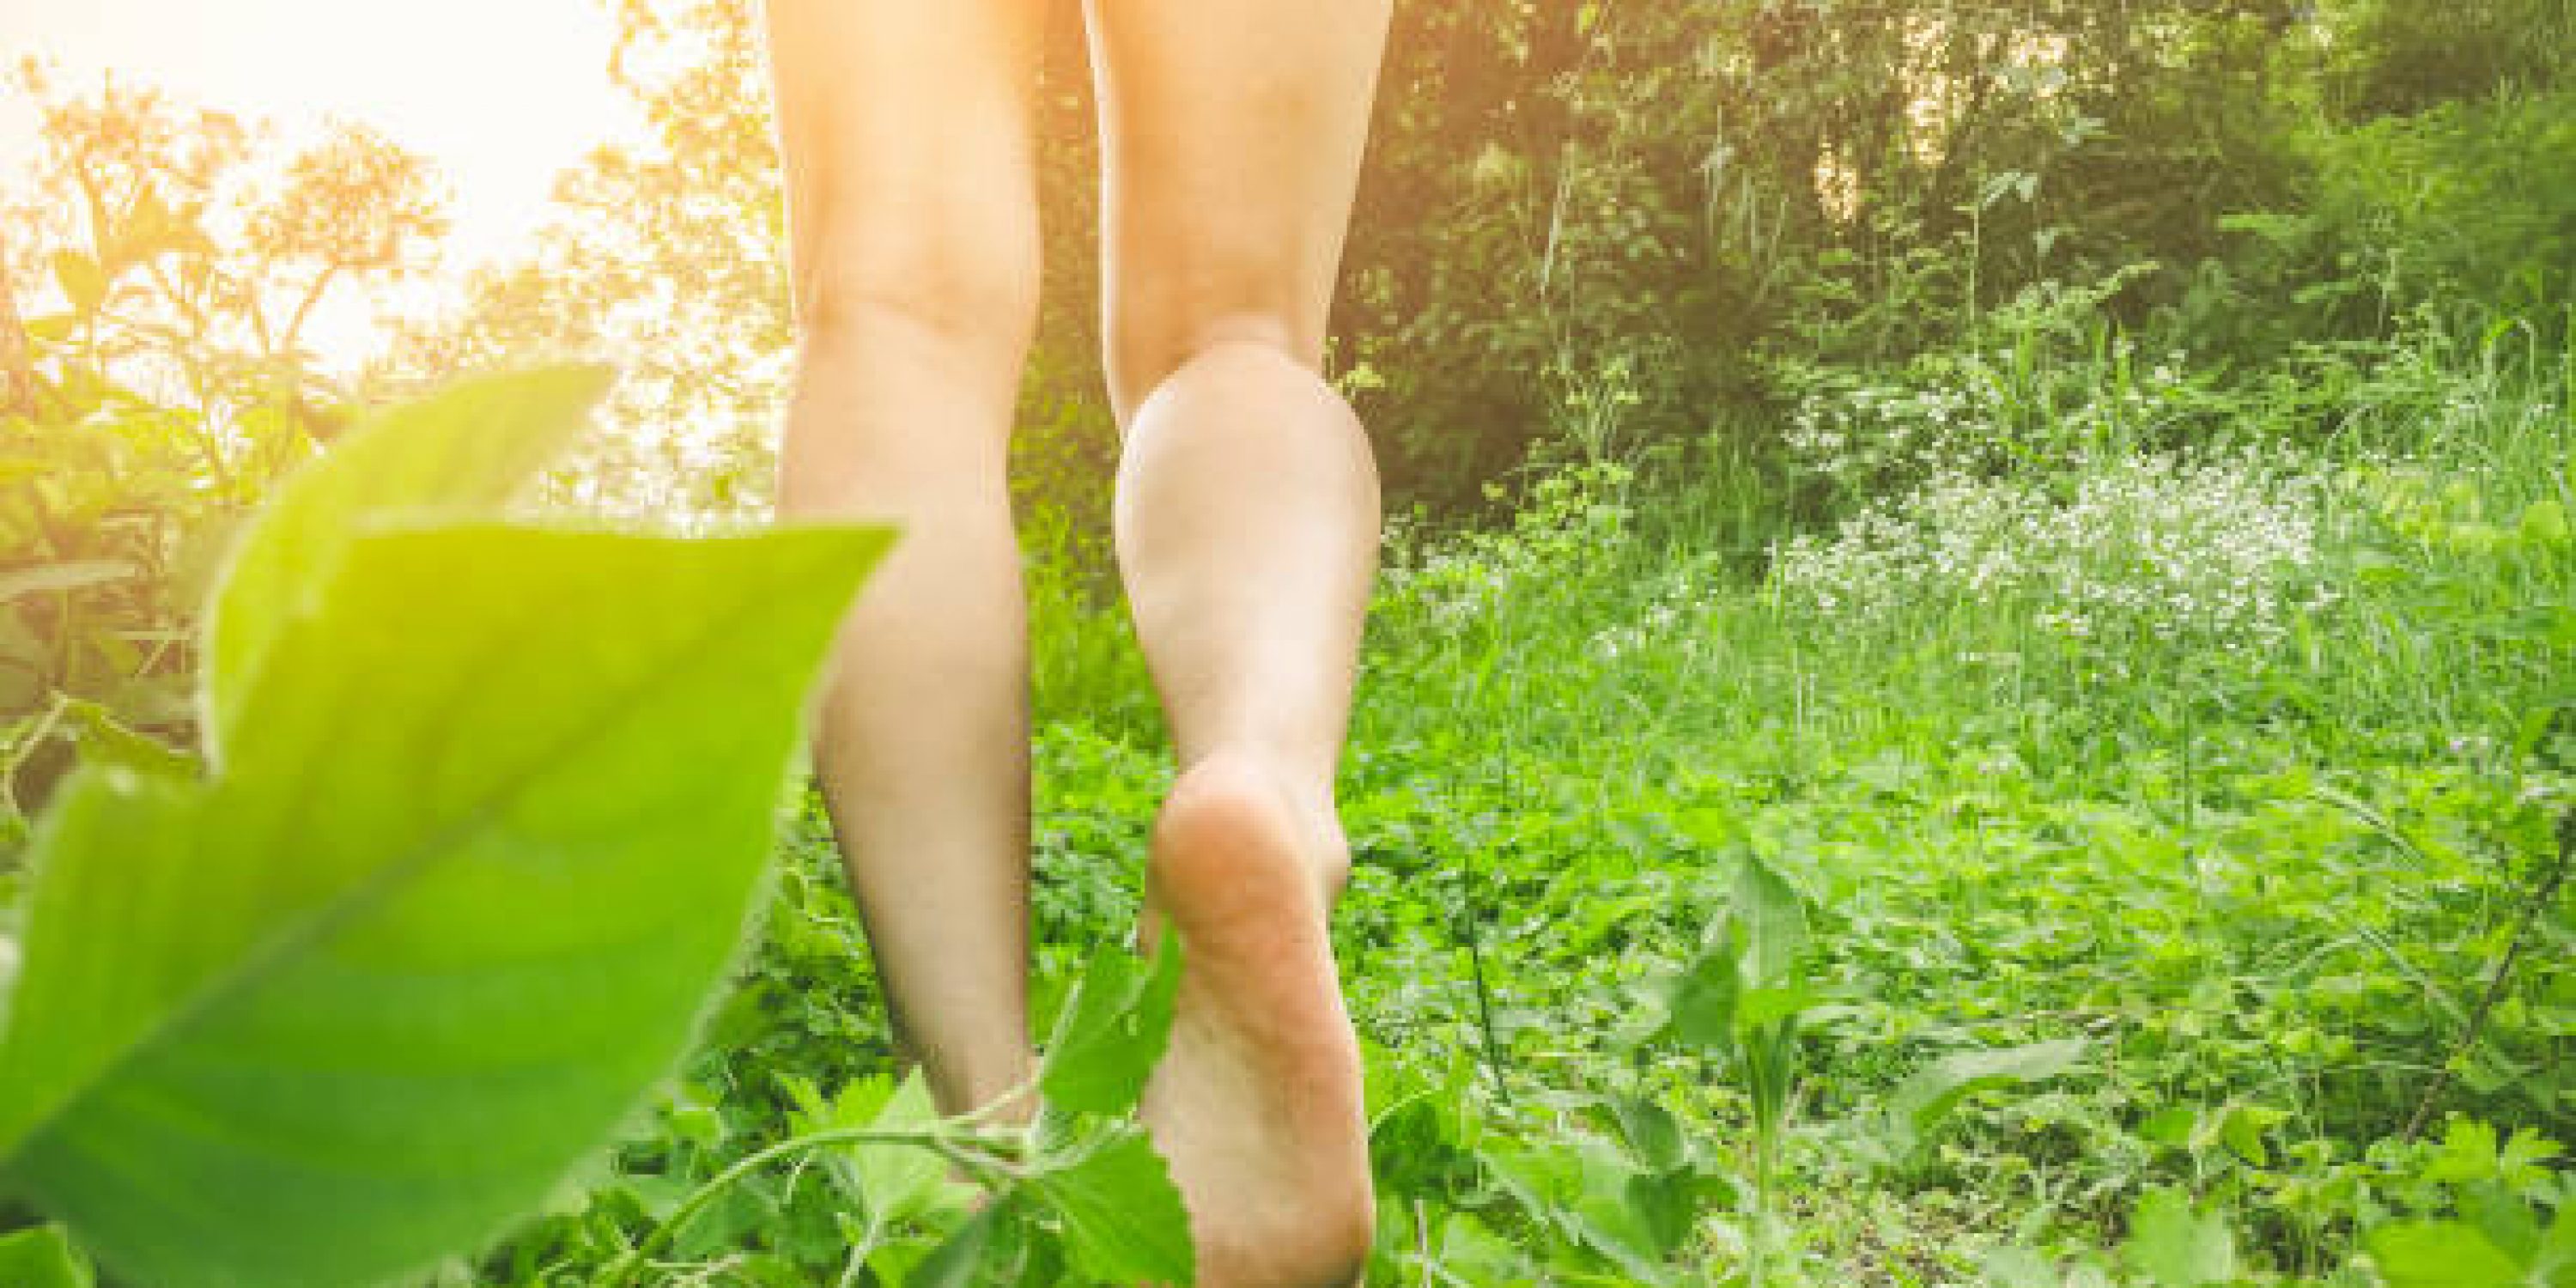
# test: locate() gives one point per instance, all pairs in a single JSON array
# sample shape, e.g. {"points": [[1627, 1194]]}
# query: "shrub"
{"points": [[2223, 550]]}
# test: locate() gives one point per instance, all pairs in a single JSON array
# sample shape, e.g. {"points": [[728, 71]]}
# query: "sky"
{"points": [[500, 94]]}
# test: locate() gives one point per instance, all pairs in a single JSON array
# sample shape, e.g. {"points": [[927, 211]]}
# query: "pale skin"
{"points": [[1246, 530]]}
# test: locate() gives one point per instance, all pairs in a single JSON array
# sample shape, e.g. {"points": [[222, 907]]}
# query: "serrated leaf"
{"points": [[1123, 1217], [898, 1182], [490, 827], [42, 1258], [2175, 1246], [465, 449], [1112, 1031], [1921, 1102]]}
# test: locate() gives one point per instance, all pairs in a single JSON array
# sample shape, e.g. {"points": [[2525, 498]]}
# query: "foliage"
{"points": [[353, 945], [2400, 58], [2439, 210], [161, 386]]}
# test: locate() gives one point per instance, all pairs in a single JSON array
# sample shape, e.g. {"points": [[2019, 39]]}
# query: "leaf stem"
{"points": [[967, 1149]]}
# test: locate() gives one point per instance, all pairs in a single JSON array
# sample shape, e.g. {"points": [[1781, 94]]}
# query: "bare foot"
{"points": [[1257, 1104]]}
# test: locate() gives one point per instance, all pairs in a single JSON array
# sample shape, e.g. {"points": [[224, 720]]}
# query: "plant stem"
{"points": [[24, 749], [961, 1148], [2541, 898]]}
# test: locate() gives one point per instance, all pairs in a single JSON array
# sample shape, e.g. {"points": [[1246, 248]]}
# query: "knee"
{"points": [[1185, 293], [969, 295]]}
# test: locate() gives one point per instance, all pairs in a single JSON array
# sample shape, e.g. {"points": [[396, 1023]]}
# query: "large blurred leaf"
{"points": [[465, 449], [41, 1258], [489, 826]]}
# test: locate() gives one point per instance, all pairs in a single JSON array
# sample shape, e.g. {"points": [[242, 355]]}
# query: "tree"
{"points": [[154, 295]]}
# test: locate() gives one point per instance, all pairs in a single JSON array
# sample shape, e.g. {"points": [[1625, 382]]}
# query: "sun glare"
{"points": [[499, 94]]}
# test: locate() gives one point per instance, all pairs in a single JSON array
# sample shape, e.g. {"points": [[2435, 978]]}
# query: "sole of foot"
{"points": [[1257, 1104]]}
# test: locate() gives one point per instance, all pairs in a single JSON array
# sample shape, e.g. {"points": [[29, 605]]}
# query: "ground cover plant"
{"points": [[1709, 930]]}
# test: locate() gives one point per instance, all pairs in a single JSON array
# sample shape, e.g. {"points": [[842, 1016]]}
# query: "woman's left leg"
{"points": [[913, 208]]}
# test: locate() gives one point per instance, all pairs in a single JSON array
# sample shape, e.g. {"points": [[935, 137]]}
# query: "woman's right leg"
{"points": [[913, 214], [1247, 536]]}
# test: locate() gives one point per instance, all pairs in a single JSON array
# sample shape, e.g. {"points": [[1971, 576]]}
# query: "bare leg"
{"points": [[1247, 534], [906, 132]]}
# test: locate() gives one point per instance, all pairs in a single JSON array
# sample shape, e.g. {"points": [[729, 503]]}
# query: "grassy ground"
{"points": [[2221, 857]]}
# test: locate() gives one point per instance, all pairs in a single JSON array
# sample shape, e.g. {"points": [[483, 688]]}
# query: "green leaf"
{"points": [[72, 574], [2555, 1264], [1654, 1136], [2175, 1246], [103, 738], [2440, 1254], [1758, 1009], [1921, 1102], [1470, 1253], [2241, 1129], [960, 1262], [1123, 1218], [2544, 524], [1702, 998], [42, 1258], [1663, 1209], [2014, 1266], [899, 1182], [490, 827], [1112, 1030], [1773, 918], [465, 449]]}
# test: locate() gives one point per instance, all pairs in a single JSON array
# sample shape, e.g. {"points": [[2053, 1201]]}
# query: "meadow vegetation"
{"points": [[1975, 682]]}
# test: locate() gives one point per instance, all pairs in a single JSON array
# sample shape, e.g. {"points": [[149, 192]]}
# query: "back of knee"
{"points": [[1235, 345], [1244, 379], [955, 291]]}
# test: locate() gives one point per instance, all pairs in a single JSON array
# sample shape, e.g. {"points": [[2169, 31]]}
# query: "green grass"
{"points": [[2263, 882]]}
